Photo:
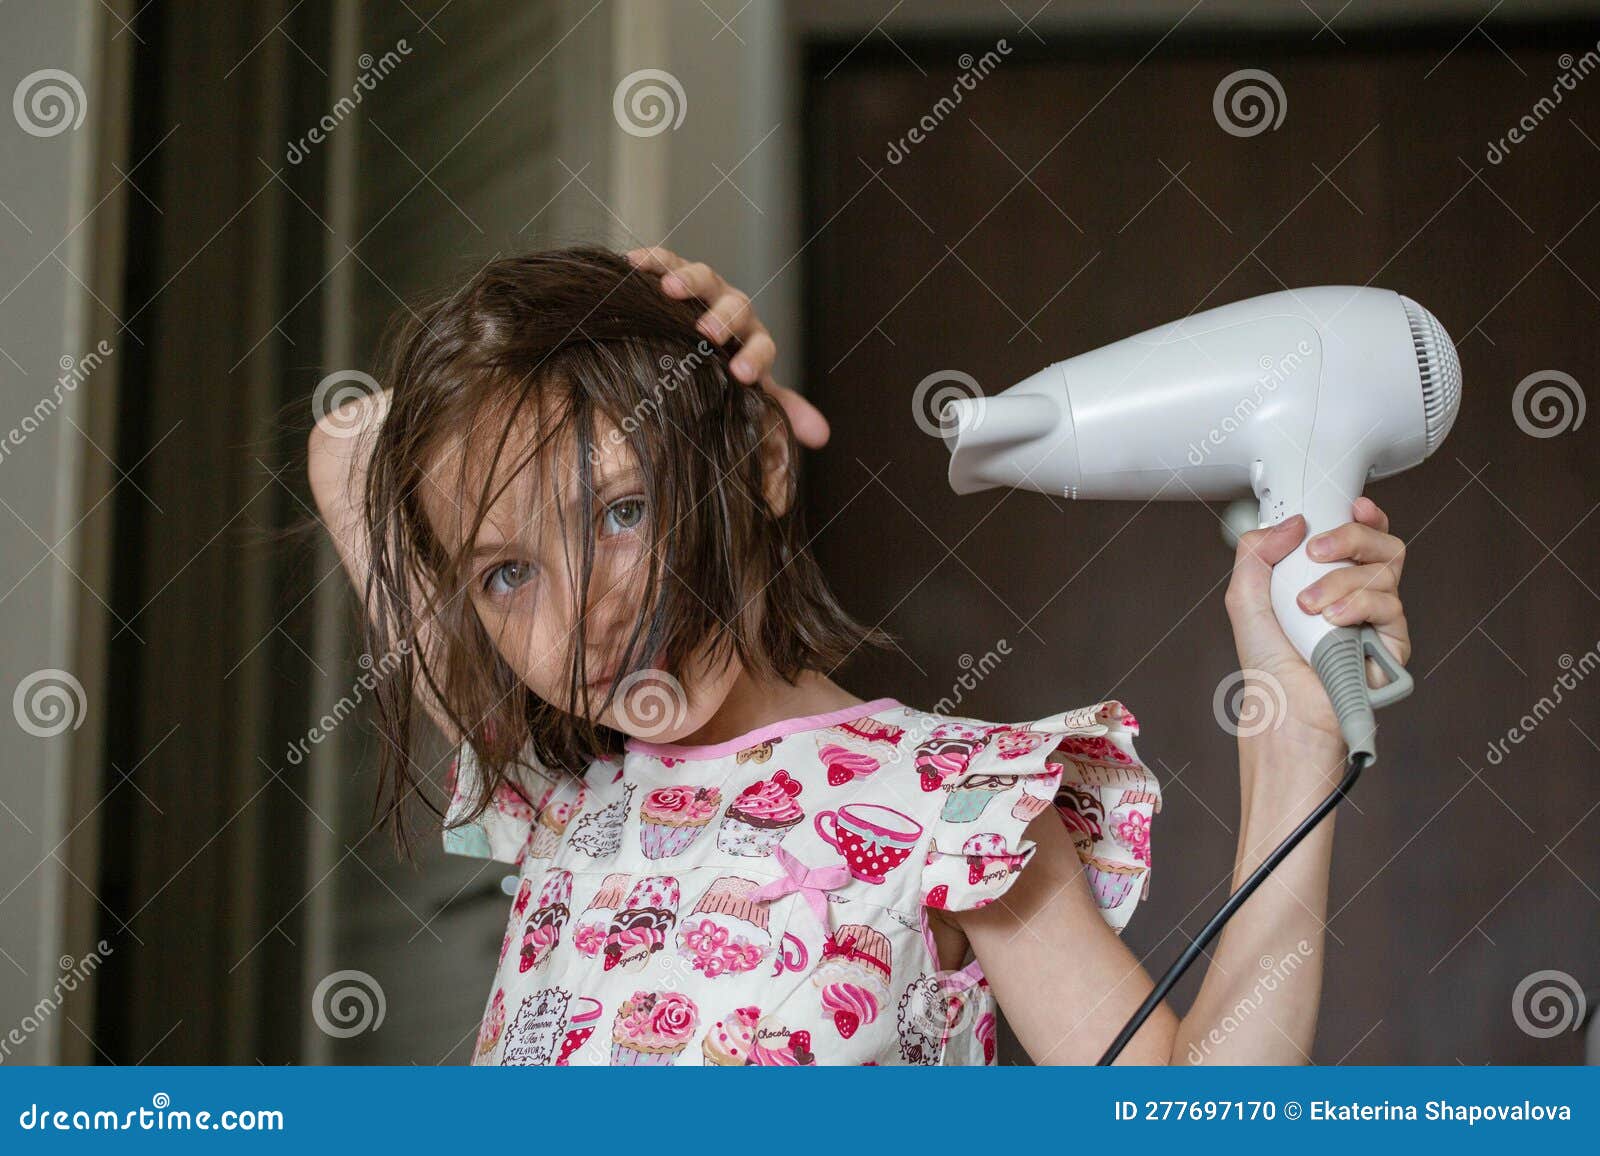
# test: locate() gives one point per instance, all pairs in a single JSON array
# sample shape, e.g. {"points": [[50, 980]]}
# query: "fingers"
{"points": [[1259, 551], [1366, 512], [1342, 583], [654, 260], [1359, 542], [810, 427], [756, 358], [1273, 544], [730, 316]]}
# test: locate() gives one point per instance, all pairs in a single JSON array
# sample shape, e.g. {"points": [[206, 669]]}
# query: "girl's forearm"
{"points": [[1258, 1002]]}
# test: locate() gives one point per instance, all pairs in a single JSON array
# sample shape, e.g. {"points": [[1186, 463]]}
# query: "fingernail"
{"points": [[1333, 612], [742, 369], [1309, 598], [673, 284], [1319, 547]]}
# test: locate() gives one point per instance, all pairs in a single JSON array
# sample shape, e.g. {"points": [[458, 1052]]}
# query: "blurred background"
{"points": [[209, 210]]}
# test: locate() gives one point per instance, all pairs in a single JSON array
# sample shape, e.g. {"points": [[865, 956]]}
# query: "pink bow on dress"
{"points": [[811, 882]]}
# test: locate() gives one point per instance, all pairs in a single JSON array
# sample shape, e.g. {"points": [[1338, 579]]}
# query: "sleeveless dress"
{"points": [[764, 900]]}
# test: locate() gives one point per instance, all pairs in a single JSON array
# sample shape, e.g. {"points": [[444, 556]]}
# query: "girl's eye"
{"points": [[620, 517], [507, 578]]}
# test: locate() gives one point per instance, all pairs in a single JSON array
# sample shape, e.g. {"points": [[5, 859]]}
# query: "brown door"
{"points": [[1070, 198]]}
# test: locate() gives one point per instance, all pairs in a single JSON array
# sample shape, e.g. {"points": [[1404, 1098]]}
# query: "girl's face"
{"points": [[523, 579]]}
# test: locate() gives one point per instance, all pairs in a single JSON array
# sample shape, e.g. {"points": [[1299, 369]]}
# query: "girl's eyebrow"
{"points": [[625, 474]]}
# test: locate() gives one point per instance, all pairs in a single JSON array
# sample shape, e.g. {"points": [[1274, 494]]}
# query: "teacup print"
{"points": [[874, 840], [946, 752]]}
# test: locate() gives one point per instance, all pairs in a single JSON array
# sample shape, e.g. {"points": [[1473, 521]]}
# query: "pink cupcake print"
{"points": [[652, 1028], [524, 894], [1037, 793], [640, 929], [947, 751], [967, 797], [1130, 822], [1082, 812], [855, 749], [760, 816], [1112, 882], [726, 934], [776, 1046], [494, 1022], [579, 1028], [673, 817], [543, 929], [729, 1041], [989, 860], [1015, 742], [1095, 748], [589, 934], [853, 975], [554, 815]]}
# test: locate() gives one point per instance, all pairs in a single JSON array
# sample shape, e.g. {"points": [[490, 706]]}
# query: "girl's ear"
{"points": [[778, 484]]}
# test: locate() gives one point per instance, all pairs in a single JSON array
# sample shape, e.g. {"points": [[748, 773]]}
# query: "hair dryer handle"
{"points": [[1337, 653]]}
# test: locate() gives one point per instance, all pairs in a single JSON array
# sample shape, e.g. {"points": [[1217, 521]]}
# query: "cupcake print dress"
{"points": [[765, 900]]}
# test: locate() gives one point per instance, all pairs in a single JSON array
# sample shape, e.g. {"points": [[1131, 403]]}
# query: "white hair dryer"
{"points": [[1299, 397]]}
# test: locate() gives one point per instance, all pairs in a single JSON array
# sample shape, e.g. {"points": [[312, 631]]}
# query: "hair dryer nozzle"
{"points": [[1018, 438]]}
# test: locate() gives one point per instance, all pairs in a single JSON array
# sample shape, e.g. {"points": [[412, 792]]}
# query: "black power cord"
{"points": [[1358, 762]]}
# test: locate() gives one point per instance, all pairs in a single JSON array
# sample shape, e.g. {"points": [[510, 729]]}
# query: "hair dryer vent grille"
{"points": [[1440, 370]]}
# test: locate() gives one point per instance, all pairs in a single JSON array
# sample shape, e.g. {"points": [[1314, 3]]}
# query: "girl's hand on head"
{"points": [[731, 316], [1367, 591]]}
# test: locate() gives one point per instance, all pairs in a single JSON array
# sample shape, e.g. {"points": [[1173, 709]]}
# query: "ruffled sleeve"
{"points": [[506, 828], [1080, 761]]}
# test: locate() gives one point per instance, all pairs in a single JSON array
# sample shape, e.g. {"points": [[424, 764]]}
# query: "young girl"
{"points": [[573, 516]]}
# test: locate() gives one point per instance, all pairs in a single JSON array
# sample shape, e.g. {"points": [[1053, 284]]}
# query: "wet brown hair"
{"points": [[571, 336]]}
